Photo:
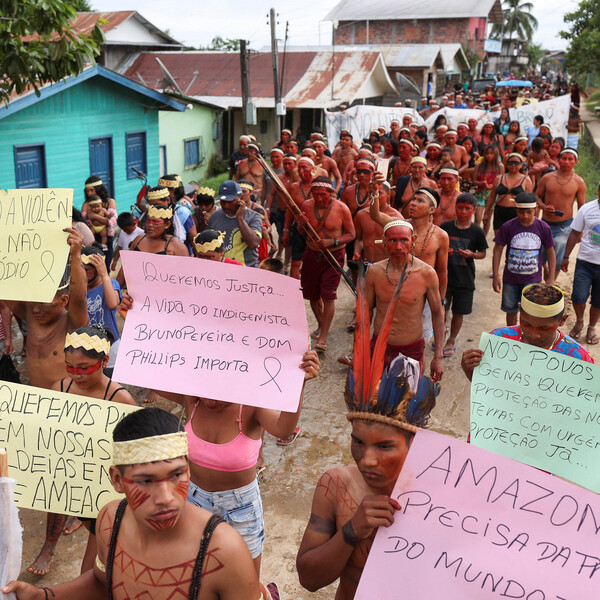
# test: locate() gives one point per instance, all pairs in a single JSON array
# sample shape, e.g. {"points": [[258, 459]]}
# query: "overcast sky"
{"points": [[196, 22]]}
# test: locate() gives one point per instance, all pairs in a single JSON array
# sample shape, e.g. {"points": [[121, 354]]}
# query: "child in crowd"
{"points": [[129, 231], [524, 238], [445, 161], [467, 244], [100, 227]]}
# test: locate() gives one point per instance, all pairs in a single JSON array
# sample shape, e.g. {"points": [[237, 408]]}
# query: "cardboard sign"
{"points": [[33, 248], [213, 330], [539, 407], [59, 448], [477, 525]]}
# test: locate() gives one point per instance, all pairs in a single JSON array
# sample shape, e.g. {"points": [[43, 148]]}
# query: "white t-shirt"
{"points": [[587, 220], [126, 238]]}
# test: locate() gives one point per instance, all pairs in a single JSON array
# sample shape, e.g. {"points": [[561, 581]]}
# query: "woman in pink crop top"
{"points": [[224, 440]]}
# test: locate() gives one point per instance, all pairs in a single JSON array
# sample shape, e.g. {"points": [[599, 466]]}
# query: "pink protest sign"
{"points": [[213, 330], [474, 524]]}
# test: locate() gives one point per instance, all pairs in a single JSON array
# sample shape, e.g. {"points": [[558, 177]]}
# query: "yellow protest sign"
{"points": [[59, 448], [33, 248]]}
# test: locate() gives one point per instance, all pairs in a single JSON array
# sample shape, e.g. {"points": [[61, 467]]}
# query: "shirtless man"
{"points": [[300, 192], [394, 130], [312, 154], [345, 153], [446, 211], [418, 178], [159, 551], [349, 175], [276, 157], [558, 191], [277, 213], [369, 234], [327, 163], [251, 169], [459, 154], [352, 501], [47, 325], [406, 333], [473, 131], [403, 162], [332, 221]]}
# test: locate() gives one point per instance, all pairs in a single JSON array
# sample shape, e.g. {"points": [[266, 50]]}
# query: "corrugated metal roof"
{"points": [[86, 21], [216, 76], [415, 56], [382, 10]]}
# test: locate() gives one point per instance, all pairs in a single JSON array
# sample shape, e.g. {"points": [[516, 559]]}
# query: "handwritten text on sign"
{"points": [[59, 448], [33, 248], [477, 525], [539, 407], [214, 330]]}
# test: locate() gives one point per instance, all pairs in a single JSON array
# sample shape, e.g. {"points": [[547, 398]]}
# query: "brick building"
{"points": [[409, 22]]}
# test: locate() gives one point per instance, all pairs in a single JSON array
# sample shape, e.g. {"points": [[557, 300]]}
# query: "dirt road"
{"points": [[288, 482]]}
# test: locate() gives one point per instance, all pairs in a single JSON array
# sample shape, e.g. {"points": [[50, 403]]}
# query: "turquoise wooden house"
{"points": [[99, 123]]}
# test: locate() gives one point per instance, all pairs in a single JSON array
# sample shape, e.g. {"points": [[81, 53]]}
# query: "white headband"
{"points": [[397, 223]]}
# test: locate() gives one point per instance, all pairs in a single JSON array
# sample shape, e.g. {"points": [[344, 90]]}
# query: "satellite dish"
{"points": [[168, 80], [405, 83]]}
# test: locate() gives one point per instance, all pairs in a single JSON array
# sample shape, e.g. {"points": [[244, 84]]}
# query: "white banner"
{"points": [[361, 119]]}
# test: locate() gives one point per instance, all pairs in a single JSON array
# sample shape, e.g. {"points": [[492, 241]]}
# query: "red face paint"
{"points": [[135, 496], [161, 525], [182, 488], [83, 371]]}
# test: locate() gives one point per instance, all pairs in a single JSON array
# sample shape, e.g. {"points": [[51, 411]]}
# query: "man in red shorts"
{"points": [[332, 221]]}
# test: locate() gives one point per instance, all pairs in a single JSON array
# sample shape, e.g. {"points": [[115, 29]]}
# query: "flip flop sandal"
{"points": [[273, 591], [288, 440], [345, 360], [448, 352], [575, 332], [321, 347], [592, 340], [315, 334]]}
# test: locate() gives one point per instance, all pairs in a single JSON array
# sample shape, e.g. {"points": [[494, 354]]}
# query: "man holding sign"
{"points": [[541, 313], [47, 325], [154, 544], [386, 407]]}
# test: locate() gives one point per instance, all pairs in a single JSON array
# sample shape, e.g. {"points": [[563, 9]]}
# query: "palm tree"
{"points": [[517, 19]]}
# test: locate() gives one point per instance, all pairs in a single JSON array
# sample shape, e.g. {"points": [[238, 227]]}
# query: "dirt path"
{"points": [[289, 480]]}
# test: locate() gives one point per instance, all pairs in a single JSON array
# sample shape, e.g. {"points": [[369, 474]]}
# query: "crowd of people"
{"points": [[407, 213]]}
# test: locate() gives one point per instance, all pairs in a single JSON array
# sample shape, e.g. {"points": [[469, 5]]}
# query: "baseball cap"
{"points": [[229, 190]]}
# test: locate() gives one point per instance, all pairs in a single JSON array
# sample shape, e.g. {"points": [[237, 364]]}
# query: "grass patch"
{"points": [[589, 166], [593, 100], [216, 181]]}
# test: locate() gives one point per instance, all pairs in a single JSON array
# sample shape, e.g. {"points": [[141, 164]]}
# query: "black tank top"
{"points": [[137, 248]]}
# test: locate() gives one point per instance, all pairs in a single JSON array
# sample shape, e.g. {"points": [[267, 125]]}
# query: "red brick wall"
{"points": [[426, 31]]}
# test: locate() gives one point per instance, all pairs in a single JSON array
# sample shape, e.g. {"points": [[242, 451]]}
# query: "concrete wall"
{"points": [[176, 127]]}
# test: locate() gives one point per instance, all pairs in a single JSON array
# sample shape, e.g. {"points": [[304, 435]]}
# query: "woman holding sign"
{"points": [[87, 352], [224, 441]]}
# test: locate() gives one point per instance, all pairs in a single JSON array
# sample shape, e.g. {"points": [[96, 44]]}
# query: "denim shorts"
{"points": [[511, 296], [560, 233], [241, 508], [586, 278]]}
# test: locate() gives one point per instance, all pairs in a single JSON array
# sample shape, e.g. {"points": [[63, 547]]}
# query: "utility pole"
{"points": [[276, 89], [245, 86]]}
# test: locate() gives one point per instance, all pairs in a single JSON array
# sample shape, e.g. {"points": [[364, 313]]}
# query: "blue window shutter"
{"points": [[30, 167], [135, 151], [192, 152]]}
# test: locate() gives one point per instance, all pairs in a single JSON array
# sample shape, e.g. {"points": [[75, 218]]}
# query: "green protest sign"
{"points": [[538, 407]]}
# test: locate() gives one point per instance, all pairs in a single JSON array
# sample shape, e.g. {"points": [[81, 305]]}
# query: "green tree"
{"points": [[536, 53], [518, 21], [583, 54], [81, 5], [220, 44], [38, 44]]}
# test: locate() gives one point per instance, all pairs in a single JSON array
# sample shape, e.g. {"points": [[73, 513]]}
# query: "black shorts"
{"points": [[460, 299], [503, 214], [298, 242]]}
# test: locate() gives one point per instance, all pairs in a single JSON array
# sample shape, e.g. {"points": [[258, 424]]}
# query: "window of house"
{"points": [[192, 152], [135, 152]]}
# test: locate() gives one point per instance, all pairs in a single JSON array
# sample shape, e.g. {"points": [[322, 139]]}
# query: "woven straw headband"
{"points": [[543, 311], [158, 194], [93, 184], [87, 342], [397, 223], [150, 449], [169, 183], [212, 245], [160, 212]]}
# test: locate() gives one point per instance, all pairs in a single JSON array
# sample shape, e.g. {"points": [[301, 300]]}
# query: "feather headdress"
{"points": [[396, 396]]}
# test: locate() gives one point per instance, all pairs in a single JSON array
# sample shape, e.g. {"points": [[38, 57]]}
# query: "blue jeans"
{"points": [[586, 279], [241, 508], [511, 296], [560, 233]]}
